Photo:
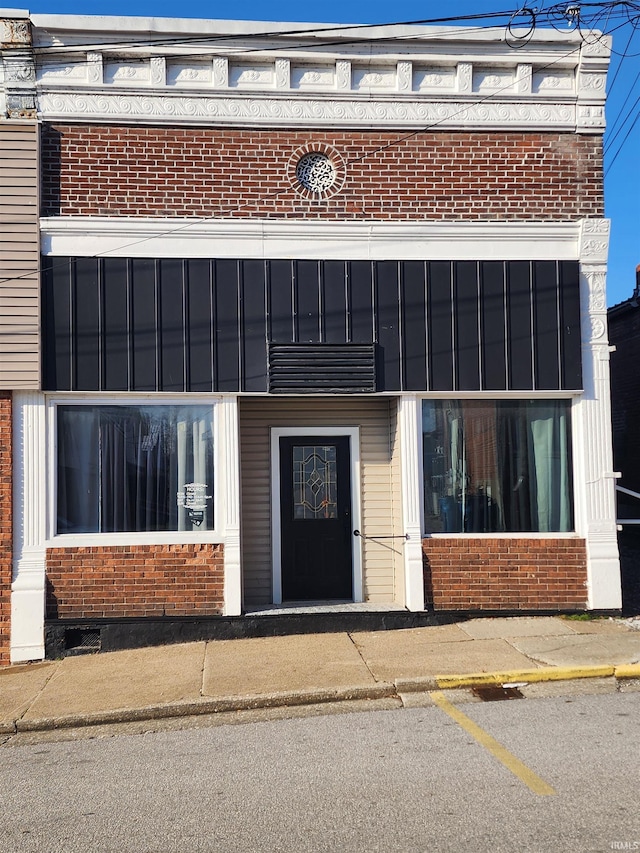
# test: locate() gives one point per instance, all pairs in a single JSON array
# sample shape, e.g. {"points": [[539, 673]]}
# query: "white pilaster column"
{"points": [[29, 526], [595, 478], [410, 425], [228, 456]]}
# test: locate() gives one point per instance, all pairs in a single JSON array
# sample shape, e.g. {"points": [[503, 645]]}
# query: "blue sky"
{"points": [[622, 141]]}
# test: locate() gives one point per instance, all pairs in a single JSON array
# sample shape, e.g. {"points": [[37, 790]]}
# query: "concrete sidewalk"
{"points": [[397, 666]]}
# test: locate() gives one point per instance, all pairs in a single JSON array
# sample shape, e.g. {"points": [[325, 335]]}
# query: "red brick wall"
{"points": [[505, 574], [6, 549], [148, 171], [135, 580]]}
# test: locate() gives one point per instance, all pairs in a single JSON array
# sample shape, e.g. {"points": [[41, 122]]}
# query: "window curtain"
{"points": [[125, 468], [506, 466]]}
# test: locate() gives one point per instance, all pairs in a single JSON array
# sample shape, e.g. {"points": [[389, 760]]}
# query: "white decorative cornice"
{"points": [[252, 74], [271, 238], [302, 111]]}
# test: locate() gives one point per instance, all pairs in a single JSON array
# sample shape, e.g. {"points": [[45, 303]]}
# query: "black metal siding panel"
{"points": [[205, 325], [414, 325], [172, 326], [307, 294], [280, 300], [571, 339], [546, 324], [254, 331], [493, 335], [227, 330], [86, 332], [115, 298], [440, 327], [388, 324], [199, 310], [144, 326], [57, 316], [335, 312], [361, 301], [467, 317], [519, 325]]}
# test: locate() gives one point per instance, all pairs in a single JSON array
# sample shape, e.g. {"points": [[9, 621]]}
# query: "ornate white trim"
{"points": [[301, 111], [229, 454], [595, 479], [409, 423], [268, 238], [29, 513]]}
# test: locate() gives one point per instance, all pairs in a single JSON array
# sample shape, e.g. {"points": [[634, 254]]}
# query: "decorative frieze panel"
{"points": [[189, 74], [313, 76], [63, 73], [343, 75], [494, 80], [551, 83], [95, 69], [404, 73], [283, 74], [435, 78], [220, 72], [127, 73], [372, 77], [594, 240], [251, 76], [14, 32], [307, 112]]}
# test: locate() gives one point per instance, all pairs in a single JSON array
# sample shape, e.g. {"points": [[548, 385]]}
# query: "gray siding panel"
{"points": [[19, 257]]}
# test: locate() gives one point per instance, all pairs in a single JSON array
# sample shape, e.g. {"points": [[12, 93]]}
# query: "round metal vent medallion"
{"points": [[316, 173]]}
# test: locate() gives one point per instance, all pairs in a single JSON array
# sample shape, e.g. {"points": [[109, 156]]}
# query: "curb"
{"points": [[205, 706], [382, 690], [549, 673]]}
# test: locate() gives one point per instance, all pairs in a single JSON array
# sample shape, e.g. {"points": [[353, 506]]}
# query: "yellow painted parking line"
{"points": [[530, 779]]}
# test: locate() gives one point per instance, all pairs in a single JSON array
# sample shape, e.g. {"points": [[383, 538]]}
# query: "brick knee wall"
{"points": [[505, 574], [135, 580], [6, 544]]}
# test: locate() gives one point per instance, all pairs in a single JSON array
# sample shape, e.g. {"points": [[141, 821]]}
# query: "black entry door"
{"points": [[315, 518]]}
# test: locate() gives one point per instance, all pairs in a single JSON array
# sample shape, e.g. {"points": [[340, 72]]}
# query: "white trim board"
{"points": [[120, 237], [353, 433]]}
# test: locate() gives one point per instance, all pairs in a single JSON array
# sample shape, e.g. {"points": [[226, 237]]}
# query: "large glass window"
{"points": [[134, 468], [497, 466]]}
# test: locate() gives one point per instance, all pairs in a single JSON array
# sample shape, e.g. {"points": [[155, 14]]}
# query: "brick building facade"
{"points": [[312, 323]]}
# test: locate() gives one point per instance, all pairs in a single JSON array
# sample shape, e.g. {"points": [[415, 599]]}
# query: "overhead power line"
{"points": [[548, 12]]}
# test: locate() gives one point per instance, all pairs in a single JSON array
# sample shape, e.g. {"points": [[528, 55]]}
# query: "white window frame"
{"points": [[489, 396], [156, 537]]}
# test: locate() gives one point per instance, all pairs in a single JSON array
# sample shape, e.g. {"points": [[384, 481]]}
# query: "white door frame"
{"points": [[353, 434]]}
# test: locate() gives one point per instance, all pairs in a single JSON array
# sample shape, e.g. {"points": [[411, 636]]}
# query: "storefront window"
{"points": [[134, 468], [497, 466]]}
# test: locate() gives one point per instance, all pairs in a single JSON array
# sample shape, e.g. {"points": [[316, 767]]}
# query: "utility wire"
{"points": [[615, 157], [633, 124], [251, 203], [613, 136], [269, 196], [307, 33]]}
